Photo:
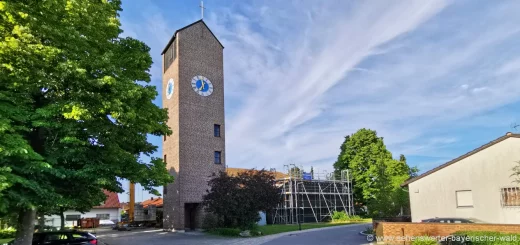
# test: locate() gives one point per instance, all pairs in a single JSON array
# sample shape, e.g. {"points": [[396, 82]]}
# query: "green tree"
{"points": [[365, 155], [412, 171], [237, 200], [376, 175], [75, 107], [296, 172]]}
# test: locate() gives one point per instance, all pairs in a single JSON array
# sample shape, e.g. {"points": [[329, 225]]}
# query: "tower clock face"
{"points": [[169, 88], [202, 85]]}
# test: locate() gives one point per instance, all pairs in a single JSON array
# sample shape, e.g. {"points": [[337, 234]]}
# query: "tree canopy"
{"points": [[75, 106], [376, 175]]}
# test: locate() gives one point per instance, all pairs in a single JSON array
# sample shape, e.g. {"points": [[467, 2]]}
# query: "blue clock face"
{"points": [[202, 85], [169, 88]]}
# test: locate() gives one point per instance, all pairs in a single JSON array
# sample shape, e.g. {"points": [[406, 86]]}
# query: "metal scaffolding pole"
{"points": [[323, 193]]}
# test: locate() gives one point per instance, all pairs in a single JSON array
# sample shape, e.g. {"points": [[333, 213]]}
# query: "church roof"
{"points": [[236, 171], [192, 24]]}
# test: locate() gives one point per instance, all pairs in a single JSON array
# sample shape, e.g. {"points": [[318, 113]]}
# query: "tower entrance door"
{"points": [[190, 216]]}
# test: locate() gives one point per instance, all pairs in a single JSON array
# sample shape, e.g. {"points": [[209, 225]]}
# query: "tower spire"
{"points": [[201, 10]]}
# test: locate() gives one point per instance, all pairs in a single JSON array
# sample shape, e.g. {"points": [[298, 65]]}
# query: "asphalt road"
{"points": [[343, 235]]}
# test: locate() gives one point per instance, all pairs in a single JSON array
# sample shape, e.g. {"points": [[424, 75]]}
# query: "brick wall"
{"points": [[397, 229], [190, 149]]}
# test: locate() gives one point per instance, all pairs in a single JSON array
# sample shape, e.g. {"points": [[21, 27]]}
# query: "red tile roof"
{"points": [[236, 171], [158, 202], [112, 200]]}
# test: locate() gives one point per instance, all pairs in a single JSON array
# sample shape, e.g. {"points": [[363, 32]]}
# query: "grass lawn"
{"points": [[2, 241], [274, 229]]}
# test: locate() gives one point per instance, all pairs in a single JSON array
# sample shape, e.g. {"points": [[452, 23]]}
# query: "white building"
{"points": [[109, 210], [475, 185]]}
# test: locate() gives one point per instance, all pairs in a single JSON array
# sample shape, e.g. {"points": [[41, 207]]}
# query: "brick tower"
{"points": [[193, 85]]}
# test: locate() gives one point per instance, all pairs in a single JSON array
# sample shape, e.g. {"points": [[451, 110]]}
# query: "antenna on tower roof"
{"points": [[201, 10]]}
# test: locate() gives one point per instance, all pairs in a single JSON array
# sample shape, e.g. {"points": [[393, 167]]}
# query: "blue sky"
{"points": [[435, 78]]}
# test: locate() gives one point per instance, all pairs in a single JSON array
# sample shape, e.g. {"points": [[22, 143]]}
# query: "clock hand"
{"points": [[203, 85]]}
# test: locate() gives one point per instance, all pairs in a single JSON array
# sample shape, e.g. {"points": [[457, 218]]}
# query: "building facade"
{"points": [[193, 85], [477, 185], [110, 209]]}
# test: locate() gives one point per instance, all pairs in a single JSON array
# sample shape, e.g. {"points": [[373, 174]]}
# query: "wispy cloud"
{"points": [[302, 75]]}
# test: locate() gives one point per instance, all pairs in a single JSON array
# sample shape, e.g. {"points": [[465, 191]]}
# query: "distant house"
{"points": [[157, 202], [236, 171], [475, 185], [109, 210]]}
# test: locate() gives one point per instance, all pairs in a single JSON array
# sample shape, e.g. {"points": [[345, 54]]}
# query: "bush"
{"points": [[225, 231], [355, 218], [340, 216], [8, 233], [210, 222], [486, 237], [424, 240]]}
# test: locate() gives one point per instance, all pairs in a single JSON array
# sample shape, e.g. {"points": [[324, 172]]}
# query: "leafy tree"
{"points": [[237, 200], [75, 107], [412, 171], [296, 172], [365, 155], [376, 175]]}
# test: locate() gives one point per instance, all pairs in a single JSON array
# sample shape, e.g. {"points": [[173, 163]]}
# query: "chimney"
{"points": [[152, 199]]}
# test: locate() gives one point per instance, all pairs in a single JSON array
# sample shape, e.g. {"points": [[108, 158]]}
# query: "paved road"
{"points": [[344, 235]]}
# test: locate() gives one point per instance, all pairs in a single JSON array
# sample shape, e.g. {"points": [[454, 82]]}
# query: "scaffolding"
{"points": [[313, 197]]}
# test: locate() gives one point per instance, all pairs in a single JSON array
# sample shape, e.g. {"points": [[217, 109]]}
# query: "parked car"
{"points": [[106, 223], [451, 220], [63, 238]]}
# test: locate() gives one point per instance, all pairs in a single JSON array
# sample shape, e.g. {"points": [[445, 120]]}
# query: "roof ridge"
{"points": [[468, 154], [177, 31]]}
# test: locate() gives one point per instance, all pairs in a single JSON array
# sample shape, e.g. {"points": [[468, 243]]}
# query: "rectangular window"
{"points": [[165, 189], [217, 157], [164, 159], [164, 138], [103, 216], [511, 197], [72, 217], [216, 130], [464, 198]]}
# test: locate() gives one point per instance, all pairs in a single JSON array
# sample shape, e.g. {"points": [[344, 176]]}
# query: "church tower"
{"points": [[193, 84]]}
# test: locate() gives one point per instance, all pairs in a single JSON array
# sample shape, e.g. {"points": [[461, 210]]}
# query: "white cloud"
{"points": [[510, 67], [302, 75], [308, 92]]}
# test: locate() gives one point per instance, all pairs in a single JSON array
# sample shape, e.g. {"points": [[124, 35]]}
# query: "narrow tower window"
{"points": [[216, 130], [217, 157]]}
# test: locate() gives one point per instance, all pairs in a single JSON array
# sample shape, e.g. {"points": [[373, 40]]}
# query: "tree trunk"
{"points": [[41, 221], [25, 226], [62, 218]]}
